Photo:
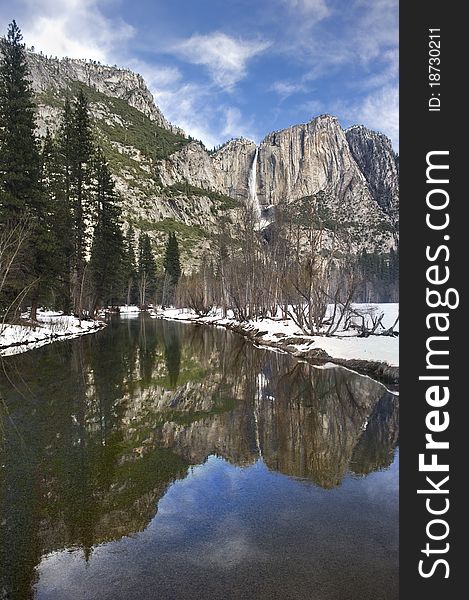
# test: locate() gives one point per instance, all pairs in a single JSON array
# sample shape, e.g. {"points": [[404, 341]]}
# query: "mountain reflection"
{"points": [[94, 430]]}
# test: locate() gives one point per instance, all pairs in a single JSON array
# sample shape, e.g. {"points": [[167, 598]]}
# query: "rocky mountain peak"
{"points": [[51, 76], [233, 162], [301, 160], [162, 175], [374, 154]]}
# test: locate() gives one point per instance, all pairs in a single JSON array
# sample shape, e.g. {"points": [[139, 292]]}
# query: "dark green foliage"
{"points": [[380, 276], [58, 255], [146, 270], [19, 157], [172, 355], [172, 270], [107, 252], [21, 196], [172, 263], [81, 151], [129, 268], [140, 131], [66, 195]]}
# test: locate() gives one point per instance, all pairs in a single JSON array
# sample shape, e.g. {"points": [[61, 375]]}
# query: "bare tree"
{"points": [[13, 245]]}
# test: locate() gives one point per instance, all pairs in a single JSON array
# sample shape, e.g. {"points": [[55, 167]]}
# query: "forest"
{"points": [[62, 242]]}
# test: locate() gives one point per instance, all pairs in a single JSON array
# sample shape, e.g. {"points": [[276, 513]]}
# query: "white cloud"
{"points": [[80, 29], [286, 88], [312, 108], [376, 27], [73, 28], [361, 36], [378, 111], [189, 106], [157, 77], [236, 125], [225, 57], [198, 111], [357, 34], [388, 73]]}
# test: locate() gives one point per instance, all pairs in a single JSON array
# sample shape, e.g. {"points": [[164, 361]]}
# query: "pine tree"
{"points": [[21, 196], [129, 266], [57, 259], [172, 262], [80, 153], [65, 144], [146, 269], [65, 151], [19, 157], [107, 252], [172, 269]]}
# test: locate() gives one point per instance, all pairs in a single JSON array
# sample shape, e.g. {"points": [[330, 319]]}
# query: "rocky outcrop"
{"points": [[378, 162], [233, 163], [294, 165], [304, 159], [50, 75], [156, 167], [192, 164], [226, 170], [314, 157]]}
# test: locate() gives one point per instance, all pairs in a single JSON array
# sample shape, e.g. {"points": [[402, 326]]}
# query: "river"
{"points": [[171, 461]]}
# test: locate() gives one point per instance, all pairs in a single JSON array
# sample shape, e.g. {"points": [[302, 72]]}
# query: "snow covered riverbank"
{"points": [[376, 355], [51, 326]]}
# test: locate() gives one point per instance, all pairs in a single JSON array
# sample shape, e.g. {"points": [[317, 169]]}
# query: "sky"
{"points": [[235, 68]]}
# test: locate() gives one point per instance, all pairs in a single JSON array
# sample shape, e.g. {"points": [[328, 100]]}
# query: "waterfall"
{"points": [[252, 187]]}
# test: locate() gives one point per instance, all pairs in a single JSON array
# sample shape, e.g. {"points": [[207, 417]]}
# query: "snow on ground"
{"points": [[129, 309], [343, 345], [15, 339]]}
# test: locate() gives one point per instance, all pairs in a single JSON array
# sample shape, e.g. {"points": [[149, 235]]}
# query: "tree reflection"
{"points": [[94, 430]]}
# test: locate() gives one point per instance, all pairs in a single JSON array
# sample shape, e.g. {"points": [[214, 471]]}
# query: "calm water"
{"points": [[163, 460]]}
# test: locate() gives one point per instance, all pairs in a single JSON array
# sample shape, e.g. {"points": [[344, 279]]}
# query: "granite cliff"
{"points": [[169, 181]]}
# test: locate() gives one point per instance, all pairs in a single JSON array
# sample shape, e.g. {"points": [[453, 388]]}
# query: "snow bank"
{"points": [[128, 309], [345, 345], [51, 326]]}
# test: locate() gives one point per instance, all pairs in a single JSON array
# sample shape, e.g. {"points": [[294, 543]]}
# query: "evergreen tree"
{"points": [[146, 269], [61, 248], [19, 157], [107, 252], [172, 263], [129, 266], [79, 152], [21, 196], [65, 141], [172, 269]]}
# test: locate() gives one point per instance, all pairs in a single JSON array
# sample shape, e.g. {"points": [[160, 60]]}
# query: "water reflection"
{"points": [[95, 431]]}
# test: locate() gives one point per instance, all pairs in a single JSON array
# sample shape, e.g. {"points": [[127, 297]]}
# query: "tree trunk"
{"points": [[33, 314]]}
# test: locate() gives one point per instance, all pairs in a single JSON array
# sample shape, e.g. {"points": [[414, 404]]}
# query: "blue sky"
{"points": [[230, 68]]}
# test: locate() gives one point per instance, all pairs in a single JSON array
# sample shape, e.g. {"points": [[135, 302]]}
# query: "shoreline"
{"points": [[55, 327], [51, 327], [298, 346]]}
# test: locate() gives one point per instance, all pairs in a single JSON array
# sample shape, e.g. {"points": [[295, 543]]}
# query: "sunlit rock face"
{"points": [[162, 174], [233, 163], [57, 75], [374, 154]]}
